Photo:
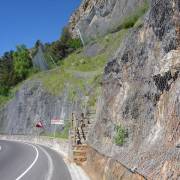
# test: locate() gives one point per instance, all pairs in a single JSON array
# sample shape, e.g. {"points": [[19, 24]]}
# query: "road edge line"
{"points": [[32, 164], [51, 167]]}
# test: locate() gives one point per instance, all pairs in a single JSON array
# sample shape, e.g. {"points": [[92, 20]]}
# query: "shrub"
{"points": [[58, 50], [74, 44], [92, 101], [120, 135], [132, 19], [4, 91], [65, 132], [65, 36]]}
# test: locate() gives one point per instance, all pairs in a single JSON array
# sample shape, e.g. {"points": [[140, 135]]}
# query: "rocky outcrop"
{"points": [[141, 92], [84, 8], [97, 18]]}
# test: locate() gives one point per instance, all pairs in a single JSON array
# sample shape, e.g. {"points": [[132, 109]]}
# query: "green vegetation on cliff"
{"points": [[75, 70], [3, 99], [14, 68], [120, 135], [60, 49], [22, 63], [79, 72]]}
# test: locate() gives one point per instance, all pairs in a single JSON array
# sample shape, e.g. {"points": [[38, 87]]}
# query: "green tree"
{"points": [[7, 78], [22, 62], [65, 36], [74, 43]]}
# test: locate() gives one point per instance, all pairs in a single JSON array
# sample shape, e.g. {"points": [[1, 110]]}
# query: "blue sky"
{"points": [[25, 21]]}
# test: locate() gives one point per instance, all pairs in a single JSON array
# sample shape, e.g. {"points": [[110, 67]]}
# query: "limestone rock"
{"points": [[96, 18], [141, 92]]}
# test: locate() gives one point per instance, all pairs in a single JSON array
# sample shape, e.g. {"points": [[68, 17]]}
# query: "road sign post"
{"points": [[38, 125], [55, 130], [56, 122]]}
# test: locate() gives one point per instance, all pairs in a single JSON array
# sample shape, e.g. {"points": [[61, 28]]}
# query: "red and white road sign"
{"points": [[56, 121], [39, 125]]}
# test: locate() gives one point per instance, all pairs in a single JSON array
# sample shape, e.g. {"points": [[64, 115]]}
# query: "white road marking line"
{"points": [[28, 169], [50, 164], [0, 148]]}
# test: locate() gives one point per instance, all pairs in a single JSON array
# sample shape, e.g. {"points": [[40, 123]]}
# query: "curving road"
{"points": [[20, 161]]}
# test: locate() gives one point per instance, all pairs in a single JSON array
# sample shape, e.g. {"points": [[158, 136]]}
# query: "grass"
{"points": [[120, 135], [64, 134], [3, 100], [83, 63], [77, 72], [93, 95]]}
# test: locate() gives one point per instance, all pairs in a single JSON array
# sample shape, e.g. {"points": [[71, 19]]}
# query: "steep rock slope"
{"points": [[96, 18], [141, 93], [31, 104]]}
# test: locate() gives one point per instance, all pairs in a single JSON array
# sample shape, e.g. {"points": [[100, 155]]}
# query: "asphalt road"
{"points": [[19, 161]]}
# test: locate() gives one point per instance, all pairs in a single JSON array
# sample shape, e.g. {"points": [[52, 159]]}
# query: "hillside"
{"points": [[128, 72], [59, 91]]}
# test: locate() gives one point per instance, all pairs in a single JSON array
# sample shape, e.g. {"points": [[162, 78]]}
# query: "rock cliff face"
{"points": [[31, 104], [141, 92], [96, 18]]}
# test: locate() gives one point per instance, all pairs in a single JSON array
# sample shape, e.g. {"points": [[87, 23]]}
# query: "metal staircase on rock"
{"points": [[78, 135]]}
